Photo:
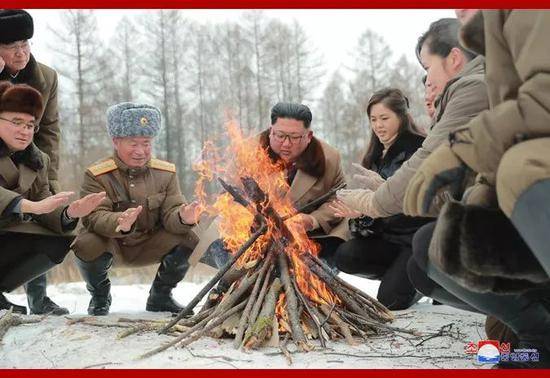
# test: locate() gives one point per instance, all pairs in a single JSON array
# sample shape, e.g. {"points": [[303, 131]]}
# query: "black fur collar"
{"points": [[31, 156], [312, 161], [31, 75], [405, 142]]}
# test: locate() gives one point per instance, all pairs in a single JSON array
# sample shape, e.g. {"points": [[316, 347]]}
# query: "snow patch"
{"points": [[53, 343]]}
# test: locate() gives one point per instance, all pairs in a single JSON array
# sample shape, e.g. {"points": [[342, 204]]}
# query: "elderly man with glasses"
{"points": [[18, 66], [34, 224]]}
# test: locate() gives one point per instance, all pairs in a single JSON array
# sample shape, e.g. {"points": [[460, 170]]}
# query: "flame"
{"points": [[244, 157], [282, 315]]}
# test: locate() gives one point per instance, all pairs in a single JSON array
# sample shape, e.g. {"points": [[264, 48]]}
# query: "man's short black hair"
{"points": [[291, 110], [440, 39]]}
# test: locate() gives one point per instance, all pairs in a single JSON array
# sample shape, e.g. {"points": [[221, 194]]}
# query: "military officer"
{"points": [[145, 219]]}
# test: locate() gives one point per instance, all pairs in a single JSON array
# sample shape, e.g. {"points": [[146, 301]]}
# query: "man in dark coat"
{"points": [[18, 66], [33, 222]]}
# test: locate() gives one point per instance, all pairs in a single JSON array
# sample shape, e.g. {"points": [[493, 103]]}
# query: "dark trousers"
{"points": [[27, 256], [376, 258], [329, 246]]}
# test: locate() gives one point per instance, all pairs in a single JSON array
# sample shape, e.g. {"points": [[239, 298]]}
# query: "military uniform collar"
{"points": [[129, 170]]}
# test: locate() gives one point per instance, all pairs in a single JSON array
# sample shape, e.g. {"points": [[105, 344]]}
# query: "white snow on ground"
{"points": [[53, 343]]}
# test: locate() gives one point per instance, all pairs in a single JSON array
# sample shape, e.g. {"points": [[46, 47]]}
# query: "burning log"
{"points": [[261, 329], [191, 305], [252, 299], [285, 290], [292, 304]]}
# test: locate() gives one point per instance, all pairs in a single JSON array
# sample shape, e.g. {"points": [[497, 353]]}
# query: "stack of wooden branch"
{"points": [[261, 300]]}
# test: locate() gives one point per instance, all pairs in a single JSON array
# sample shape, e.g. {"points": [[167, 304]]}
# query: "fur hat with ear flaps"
{"points": [[20, 98], [481, 249]]}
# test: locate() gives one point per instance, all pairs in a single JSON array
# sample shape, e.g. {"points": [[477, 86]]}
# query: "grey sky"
{"points": [[333, 32]]}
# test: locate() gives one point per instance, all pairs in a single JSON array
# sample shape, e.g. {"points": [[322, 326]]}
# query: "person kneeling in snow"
{"points": [[34, 225], [144, 219]]}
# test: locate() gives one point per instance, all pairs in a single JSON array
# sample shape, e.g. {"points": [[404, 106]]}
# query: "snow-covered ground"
{"points": [[54, 343]]}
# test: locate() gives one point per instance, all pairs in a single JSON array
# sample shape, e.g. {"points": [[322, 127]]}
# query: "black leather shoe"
{"points": [[6, 305], [49, 307]]}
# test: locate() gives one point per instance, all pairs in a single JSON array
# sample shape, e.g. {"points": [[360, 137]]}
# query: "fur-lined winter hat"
{"points": [[15, 25], [20, 98], [133, 120]]}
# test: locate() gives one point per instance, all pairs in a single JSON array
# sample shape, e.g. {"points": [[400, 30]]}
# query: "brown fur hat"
{"points": [[20, 98]]}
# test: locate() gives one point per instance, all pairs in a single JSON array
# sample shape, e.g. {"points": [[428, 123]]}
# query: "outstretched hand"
{"points": [[305, 220], [364, 178], [190, 213], [84, 206], [342, 210], [47, 205], [128, 218]]}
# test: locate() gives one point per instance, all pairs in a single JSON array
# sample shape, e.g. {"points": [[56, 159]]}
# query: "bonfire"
{"points": [[274, 288]]}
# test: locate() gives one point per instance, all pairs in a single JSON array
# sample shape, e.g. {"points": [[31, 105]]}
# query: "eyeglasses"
{"points": [[13, 47], [281, 137], [19, 123]]}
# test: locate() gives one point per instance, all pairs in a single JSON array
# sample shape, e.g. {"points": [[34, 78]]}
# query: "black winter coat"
{"points": [[397, 228]]}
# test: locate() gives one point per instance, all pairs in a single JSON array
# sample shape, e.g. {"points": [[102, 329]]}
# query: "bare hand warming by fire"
{"points": [[307, 221], [190, 213], [127, 219]]}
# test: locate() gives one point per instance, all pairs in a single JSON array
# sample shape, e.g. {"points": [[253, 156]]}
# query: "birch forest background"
{"points": [[201, 75]]}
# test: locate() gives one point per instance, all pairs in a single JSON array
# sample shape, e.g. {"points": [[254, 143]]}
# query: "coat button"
{"points": [[130, 177], [132, 185], [133, 201]]}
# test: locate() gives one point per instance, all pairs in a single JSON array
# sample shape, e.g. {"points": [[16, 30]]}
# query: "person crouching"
{"points": [[35, 225], [144, 219]]}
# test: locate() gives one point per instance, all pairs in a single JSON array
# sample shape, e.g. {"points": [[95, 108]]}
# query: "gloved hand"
{"points": [[342, 210], [442, 169], [364, 178], [359, 200]]}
